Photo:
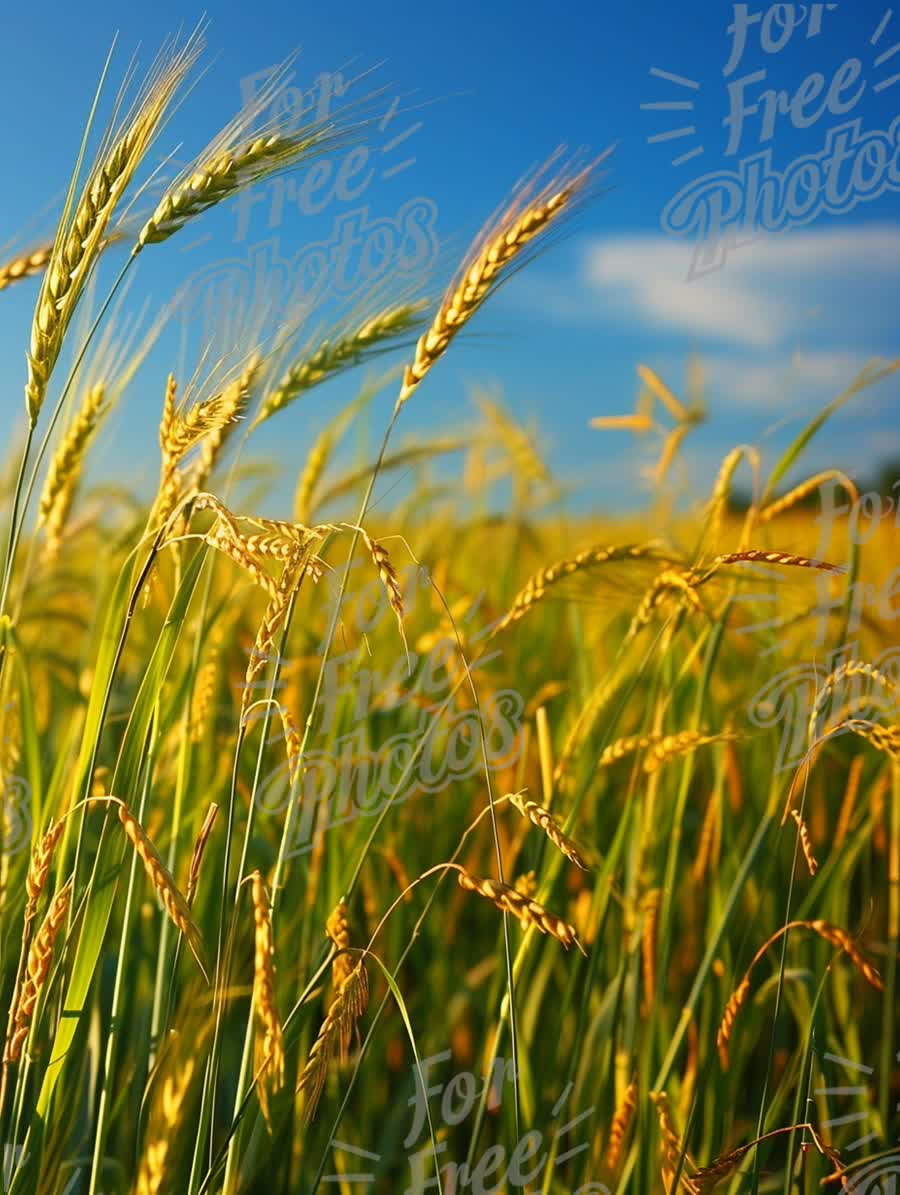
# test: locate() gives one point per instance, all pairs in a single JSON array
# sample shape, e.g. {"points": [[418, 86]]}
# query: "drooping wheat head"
{"points": [[344, 1011], [802, 491], [167, 890], [832, 934], [544, 820], [200, 844], [682, 582], [537, 585], [528, 912], [805, 842]]}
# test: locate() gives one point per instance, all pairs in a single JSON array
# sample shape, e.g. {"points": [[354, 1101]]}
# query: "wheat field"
{"points": [[334, 859]]}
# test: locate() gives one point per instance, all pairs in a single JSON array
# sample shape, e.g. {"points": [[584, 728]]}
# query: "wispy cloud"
{"points": [[768, 293], [787, 383]]}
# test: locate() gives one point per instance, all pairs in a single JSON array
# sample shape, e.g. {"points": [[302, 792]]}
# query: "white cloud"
{"points": [[786, 383], [767, 294]]}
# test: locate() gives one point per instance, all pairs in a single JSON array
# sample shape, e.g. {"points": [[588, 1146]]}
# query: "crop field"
{"points": [[402, 840]]}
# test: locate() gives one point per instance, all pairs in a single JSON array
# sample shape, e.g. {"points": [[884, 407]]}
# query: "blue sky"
{"points": [[781, 325]]}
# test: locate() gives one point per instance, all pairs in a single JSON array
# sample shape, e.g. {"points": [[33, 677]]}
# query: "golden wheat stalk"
{"points": [[25, 266], [832, 934], [237, 398], [337, 927], [848, 804], [804, 489], [650, 909], [529, 467], [39, 868], [722, 488], [230, 543], [637, 422], [530, 214], [671, 746], [152, 1168], [293, 742], [537, 585], [660, 748], [167, 890], [269, 1043], [40, 955], [388, 576], [316, 462], [344, 1011], [845, 671], [203, 695], [528, 912], [661, 391], [199, 851], [621, 1122], [761, 556], [64, 470], [669, 581], [332, 356], [275, 614], [219, 177], [672, 443], [805, 842], [671, 1148], [883, 738], [181, 430], [246, 151], [80, 237], [544, 820], [708, 844]]}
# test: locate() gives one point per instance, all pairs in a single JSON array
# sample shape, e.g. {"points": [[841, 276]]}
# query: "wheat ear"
{"points": [[621, 1123], [388, 575], [337, 927], [344, 1011], [673, 1152], [332, 356], [805, 842], [152, 1170], [528, 912], [537, 585], [804, 489], [40, 955], [544, 820], [530, 214], [25, 266], [173, 902], [198, 852], [269, 1046], [64, 471], [80, 237], [830, 933]]}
